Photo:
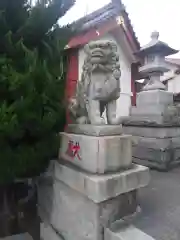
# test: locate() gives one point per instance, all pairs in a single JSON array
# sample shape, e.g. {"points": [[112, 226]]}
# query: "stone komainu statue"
{"points": [[99, 87]]}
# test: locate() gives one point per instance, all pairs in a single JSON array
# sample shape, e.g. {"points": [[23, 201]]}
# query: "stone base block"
{"points": [[154, 115], [75, 217], [156, 143], [84, 219], [154, 97], [152, 132], [99, 188], [97, 154], [161, 166], [93, 130], [162, 154], [155, 155], [148, 110], [80, 206], [147, 121]]}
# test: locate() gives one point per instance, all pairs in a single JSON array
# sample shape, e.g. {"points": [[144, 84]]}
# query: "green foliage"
{"points": [[32, 77]]}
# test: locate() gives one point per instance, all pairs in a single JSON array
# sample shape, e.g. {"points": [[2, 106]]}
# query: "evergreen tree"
{"points": [[32, 77]]}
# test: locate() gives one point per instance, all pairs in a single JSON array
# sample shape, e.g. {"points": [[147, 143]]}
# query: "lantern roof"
{"points": [[155, 46]]}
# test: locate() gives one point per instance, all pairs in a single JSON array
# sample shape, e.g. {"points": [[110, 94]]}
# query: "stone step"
{"points": [[126, 232], [99, 188]]}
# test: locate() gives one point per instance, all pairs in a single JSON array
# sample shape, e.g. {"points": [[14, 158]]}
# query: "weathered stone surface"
{"points": [[126, 231], [176, 154], [156, 138], [48, 233], [167, 157], [79, 206], [99, 188], [45, 196], [162, 166], [148, 121], [148, 110], [152, 132], [97, 154], [75, 217], [93, 130], [156, 155], [175, 142], [154, 143], [154, 115], [154, 97]]}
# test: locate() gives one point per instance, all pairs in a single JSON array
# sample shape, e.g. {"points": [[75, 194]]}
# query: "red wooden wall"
{"points": [[72, 77]]}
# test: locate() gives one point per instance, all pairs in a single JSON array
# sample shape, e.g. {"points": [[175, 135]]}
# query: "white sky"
{"points": [[146, 16]]}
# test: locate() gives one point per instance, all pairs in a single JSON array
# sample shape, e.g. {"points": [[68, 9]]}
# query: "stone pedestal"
{"points": [[93, 184], [155, 126], [97, 154]]}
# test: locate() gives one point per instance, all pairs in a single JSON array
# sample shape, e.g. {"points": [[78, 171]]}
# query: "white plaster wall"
{"points": [[174, 84], [124, 102]]}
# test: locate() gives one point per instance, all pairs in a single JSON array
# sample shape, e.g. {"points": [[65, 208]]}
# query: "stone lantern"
{"points": [[154, 54], [155, 121]]}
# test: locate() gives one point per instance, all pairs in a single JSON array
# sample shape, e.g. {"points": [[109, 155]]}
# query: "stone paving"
{"points": [[160, 203]]}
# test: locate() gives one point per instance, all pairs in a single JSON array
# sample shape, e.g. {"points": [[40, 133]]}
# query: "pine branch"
{"points": [[42, 19]]}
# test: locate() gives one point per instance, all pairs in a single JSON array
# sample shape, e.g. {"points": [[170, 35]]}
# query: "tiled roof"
{"points": [[109, 11], [95, 18], [175, 61]]}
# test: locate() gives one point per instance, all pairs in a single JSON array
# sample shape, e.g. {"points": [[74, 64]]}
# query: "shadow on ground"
{"points": [[18, 217]]}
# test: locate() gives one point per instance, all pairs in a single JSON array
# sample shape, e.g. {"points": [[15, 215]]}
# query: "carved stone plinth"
{"points": [[97, 154]]}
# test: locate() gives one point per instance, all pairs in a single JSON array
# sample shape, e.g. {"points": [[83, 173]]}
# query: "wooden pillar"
{"points": [[134, 77]]}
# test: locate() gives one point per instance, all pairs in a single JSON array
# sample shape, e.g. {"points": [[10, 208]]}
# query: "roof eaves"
{"points": [[103, 14], [130, 26], [92, 16]]}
